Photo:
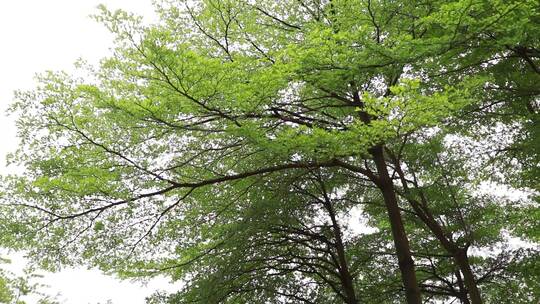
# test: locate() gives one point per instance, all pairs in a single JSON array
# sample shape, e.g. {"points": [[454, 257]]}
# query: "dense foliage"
{"points": [[235, 145]]}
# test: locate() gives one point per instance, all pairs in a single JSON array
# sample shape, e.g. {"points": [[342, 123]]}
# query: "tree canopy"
{"points": [[235, 145]]}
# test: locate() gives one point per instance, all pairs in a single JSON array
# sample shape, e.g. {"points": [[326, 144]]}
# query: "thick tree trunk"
{"points": [[468, 277], [463, 294], [403, 251], [401, 242], [459, 254]]}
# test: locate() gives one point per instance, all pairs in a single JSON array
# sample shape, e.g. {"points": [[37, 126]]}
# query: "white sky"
{"points": [[39, 35]]}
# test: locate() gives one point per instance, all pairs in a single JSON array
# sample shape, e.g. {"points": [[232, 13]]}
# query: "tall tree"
{"points": [[193, 119]]}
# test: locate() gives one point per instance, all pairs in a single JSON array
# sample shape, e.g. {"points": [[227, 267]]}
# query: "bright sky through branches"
{"points": [[39, 35]]}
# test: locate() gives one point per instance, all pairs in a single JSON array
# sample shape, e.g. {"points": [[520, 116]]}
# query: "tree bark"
{"points": [[468, 277], [463, 294], [458, 254], [401, 242], [347, 282]]}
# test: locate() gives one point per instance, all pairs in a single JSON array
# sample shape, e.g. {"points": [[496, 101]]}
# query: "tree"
{"points": [[155, 158]]}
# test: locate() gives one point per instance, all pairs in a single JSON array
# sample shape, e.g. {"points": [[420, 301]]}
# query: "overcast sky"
{"points": [[39, 35]]}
